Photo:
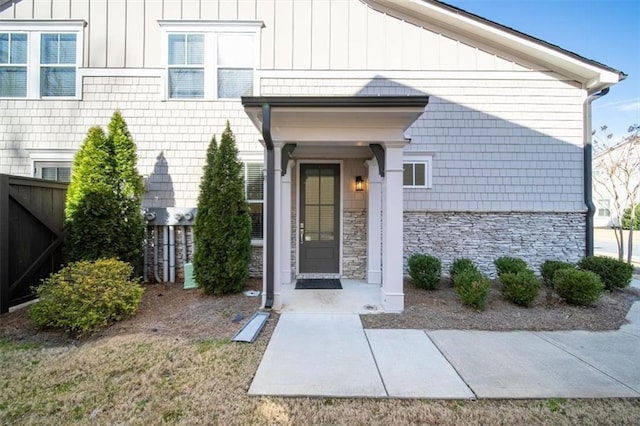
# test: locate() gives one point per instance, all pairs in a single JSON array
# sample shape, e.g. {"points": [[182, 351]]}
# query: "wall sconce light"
{"points": [[359, 184]]}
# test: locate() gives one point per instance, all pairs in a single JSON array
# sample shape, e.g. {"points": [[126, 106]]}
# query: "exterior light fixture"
{"points": [[359, 184]]}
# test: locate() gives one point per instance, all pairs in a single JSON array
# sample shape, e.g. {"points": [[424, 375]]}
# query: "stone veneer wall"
{"points": [[483, 237], [354, 246]]}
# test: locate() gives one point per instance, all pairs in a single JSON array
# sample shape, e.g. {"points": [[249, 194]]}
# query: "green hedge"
{"points": [[520, 288], [459, 265], [578, 287], [473, 288], [612, 272], [506, 264]]}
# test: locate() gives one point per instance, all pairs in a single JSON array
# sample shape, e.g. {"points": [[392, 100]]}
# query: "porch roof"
{"points": [[341, 120]]}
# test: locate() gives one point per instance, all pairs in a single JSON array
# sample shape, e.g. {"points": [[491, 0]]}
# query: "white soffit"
{"points": [[454, 21]]}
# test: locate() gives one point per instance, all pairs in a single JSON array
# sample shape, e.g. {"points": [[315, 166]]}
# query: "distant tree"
{"points": [[619, 179], [102, 211], [223, 224]]}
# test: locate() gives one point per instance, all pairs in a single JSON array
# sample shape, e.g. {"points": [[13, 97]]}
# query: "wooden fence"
{"points": [[31, 236]]}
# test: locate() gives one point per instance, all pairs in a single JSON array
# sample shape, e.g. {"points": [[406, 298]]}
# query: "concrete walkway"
{"points": [[332, 355]]}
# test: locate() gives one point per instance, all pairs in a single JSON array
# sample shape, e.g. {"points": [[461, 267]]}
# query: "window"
{"points": [[59, 171], [417, 172], [254, 189], [604, 208], [211, 59], [13, 65], [186, 65], [40, 59], [58, 65]]}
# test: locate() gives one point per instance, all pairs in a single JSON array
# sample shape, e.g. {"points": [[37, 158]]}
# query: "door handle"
{"points": [[302, 233]]}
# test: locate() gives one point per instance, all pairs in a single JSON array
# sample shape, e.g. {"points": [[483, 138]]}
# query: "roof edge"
{"points": [[336, 101]]}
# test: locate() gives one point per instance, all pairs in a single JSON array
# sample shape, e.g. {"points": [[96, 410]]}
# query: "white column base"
{"points": [[374, 277], [393, 303]]}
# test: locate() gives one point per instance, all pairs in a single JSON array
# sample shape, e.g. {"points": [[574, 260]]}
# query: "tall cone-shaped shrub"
{"points": [[102, 211], [223, 225]]}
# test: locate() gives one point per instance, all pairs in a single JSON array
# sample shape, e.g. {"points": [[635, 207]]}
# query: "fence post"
{"points": [[4, 244]]}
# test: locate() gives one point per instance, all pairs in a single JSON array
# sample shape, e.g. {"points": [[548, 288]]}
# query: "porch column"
{"points": [[392, 237], [285, 220], [374, 223], [277, 231]]}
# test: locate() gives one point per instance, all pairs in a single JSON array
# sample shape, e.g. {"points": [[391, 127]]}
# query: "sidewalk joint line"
{"points": [[375, 361]]}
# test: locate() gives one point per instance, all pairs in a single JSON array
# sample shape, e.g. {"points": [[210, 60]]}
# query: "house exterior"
{"points": [[616, 180], [370, 129]]}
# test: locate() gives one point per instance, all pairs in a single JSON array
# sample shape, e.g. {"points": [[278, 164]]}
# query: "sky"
{"points": [[607, 31]]}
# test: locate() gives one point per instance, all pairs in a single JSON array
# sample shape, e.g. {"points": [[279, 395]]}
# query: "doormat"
{"points": [[318, 284]]}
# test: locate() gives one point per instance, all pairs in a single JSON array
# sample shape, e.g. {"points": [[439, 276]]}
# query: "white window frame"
{"points": [[34, 30], [425, 158], [50, 158], [604, 204], [250, 158], [210, 30]]}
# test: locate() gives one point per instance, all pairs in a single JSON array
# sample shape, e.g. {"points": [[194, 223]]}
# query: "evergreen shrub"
{"points": [[459, 265], [425, 271], [613, 273], [86, 296], [509, 264], [520, 288], [473, 288], [578, 287]]}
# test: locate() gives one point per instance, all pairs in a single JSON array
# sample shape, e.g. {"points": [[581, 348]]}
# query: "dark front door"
{"points": [[319, 232]]}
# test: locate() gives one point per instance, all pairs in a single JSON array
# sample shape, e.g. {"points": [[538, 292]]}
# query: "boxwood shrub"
{"points": [[578, 287], [612, 272], [549, 268], [509, 264], [520, 288], [459, 265], [86, 296], [425, 271], [473, 288]]}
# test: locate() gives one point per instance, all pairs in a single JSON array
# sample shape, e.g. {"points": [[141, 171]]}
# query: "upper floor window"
{"points": [[211, 59], [13, 65], [417, 171], [40, 59]]}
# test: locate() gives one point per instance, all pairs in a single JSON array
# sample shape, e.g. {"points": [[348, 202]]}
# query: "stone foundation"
{"points": [[483, 237], [354, 247]]}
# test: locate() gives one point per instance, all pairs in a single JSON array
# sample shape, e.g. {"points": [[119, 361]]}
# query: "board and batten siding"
{"points": [[298, 34]]}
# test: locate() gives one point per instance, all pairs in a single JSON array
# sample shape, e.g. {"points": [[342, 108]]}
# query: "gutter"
{"points": [[270, 249], [588, 169]]}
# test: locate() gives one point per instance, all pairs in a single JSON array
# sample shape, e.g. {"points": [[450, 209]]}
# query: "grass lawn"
{"points": [[174, 364]]}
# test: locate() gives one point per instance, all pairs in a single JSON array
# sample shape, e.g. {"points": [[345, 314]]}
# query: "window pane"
{"points": [[18, 49], [254, 181], [4, 48], [177, 49], [255, 210], [235, 50], [49, 173], [64, 174], [57, 81], [407, 175], [195, 49], [13, 82], [326, 223], [420, 175], [67, 49], [49, 49], [186, 83], [234, 82]]}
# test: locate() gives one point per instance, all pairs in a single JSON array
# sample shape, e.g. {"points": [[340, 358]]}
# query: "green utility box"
{"points": [[189, 282]]}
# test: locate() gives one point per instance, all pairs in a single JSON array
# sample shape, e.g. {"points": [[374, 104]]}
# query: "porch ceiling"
{"points": [[337, 121]]}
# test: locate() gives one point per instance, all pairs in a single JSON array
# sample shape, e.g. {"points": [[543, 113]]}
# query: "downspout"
{"points": [[270, 248], [588, 169]]}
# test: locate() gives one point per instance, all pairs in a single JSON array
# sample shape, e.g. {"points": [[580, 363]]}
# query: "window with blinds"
{"points": [[13, 65], [254, 190], [235, 65], [58, 65], [59, 171], [186, 66]]}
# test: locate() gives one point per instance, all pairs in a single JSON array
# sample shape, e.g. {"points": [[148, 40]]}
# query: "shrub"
{"points": [[102, 209], [520, 288], [549, 268], [425, 271], [509, 264], [223, 225], [626, 218], [459, 265], [578, 287], [85, 296], [612, 272], [473, 288]]}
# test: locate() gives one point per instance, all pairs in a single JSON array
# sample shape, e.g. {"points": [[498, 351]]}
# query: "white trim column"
{"points": [[277, 225], [392, 228], [374, 223], [285, 219]]}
